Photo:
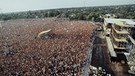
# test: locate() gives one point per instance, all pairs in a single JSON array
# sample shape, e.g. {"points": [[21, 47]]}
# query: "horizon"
{"points": [[31, 5], [62, 8]]}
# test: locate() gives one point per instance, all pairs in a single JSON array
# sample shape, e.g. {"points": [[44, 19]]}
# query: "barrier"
{"points": [[89, 54]]}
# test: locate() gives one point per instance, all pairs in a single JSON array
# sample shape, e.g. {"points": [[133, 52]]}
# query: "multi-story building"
{"points": [[118, 32], [119, 35]]}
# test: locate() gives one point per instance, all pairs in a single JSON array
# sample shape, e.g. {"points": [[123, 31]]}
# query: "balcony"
{"points": [[119, 40], [116, 47], [120, 32]]}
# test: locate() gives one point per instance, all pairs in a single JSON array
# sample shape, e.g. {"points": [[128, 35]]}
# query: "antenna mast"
{"points": [[84, 4]]}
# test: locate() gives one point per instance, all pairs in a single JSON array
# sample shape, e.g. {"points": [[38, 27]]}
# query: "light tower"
{"points": [[1, 11], [1, 15], [84, 3]]}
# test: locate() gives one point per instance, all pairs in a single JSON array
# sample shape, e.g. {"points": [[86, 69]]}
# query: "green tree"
{"points": [[89, 17]]}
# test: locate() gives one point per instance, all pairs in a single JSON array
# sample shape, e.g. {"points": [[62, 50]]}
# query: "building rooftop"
{"points": [[127, 21], [119, 23]]}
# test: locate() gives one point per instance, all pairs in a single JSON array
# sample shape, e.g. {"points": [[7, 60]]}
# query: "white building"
{"points": [[119, 33]]}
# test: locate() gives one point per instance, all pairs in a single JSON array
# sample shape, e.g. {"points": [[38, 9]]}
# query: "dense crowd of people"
{"points": [[63, 54]]}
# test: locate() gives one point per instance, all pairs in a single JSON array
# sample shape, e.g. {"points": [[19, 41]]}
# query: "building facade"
{"points": [[119, 35], [119, 30]]}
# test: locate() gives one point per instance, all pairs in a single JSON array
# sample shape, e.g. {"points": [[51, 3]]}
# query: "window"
{"points": [[121, 35], [119, 44], [121, 28]]}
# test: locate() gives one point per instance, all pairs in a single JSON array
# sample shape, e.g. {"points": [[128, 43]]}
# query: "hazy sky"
{"points": [[25, 5]]}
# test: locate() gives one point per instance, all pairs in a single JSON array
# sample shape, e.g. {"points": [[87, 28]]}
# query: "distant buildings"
{"points": [[110, 16]]}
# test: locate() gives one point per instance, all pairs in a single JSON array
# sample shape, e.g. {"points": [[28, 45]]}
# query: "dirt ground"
{"points": [[21, 53]]}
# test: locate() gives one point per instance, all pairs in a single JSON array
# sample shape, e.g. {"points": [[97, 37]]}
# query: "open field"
{"points": [[21, 53]]}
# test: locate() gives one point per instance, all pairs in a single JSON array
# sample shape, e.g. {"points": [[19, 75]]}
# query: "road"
{"points": [[100, 54]]}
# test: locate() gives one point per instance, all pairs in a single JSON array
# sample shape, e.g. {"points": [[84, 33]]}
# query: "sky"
{"points": [[7, 6]]}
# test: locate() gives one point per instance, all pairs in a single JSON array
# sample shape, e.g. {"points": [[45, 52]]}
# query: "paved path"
{"points": [[100, 56]]}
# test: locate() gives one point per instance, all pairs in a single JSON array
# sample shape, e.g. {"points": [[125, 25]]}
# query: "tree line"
{"points": [[82, 13]]}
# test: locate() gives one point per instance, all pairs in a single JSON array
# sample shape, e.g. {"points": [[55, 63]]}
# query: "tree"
{"points": [[50, 14], [89, 17]]}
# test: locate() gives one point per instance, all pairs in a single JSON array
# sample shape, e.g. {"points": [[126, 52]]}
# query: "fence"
{"points": [[89, 54]]}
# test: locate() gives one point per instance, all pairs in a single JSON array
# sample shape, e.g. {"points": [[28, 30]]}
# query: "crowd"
{"points": [[22, 54]]}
